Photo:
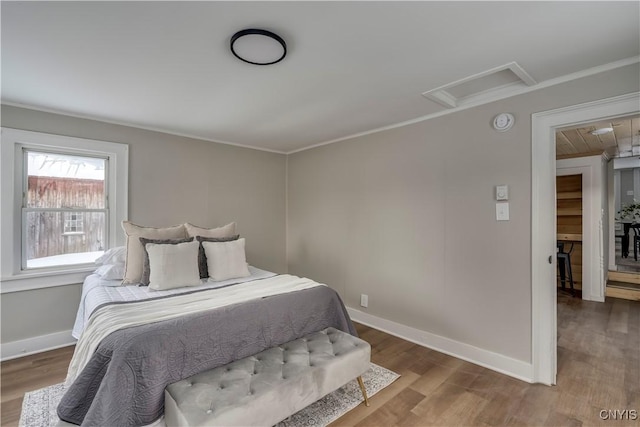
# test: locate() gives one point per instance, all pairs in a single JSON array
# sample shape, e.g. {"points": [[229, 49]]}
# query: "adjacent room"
{"points": [[320, 213]]}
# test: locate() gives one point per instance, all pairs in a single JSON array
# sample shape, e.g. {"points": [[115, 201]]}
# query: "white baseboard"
{"points": [[488, 359], [596, 298], [15, 349]]}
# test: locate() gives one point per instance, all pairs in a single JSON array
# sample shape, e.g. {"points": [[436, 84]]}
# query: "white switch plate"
{"points": [[502, 192], [364, 300], [502, 211]]}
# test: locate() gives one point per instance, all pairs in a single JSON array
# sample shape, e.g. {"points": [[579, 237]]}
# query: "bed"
{"points": [[97, 291], [133, 341]]}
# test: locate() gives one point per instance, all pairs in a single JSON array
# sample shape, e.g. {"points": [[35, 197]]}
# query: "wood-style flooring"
{"points": [[598, 369], [29, 373]]}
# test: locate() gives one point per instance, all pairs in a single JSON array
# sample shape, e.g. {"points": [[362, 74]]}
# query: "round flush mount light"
{"points": [[258, 47], [601, 131]]}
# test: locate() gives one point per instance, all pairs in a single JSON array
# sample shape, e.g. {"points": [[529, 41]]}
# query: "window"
{"points": [[61, 193], [69, 197], [74, 224]]}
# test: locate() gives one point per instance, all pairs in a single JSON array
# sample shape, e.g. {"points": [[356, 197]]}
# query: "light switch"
{"points": [[502, 211], [502, 192]]}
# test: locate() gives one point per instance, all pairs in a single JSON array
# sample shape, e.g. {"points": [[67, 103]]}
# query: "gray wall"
{"points": [[171, 180], [407, 216]]}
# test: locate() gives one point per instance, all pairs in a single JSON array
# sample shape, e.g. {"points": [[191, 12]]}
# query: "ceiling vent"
{"points": [[492, 84]]}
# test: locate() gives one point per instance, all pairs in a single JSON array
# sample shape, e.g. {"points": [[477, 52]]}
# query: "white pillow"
{"points": [[228, 230], [226, 260], [173, 266], [135, 252], [111, 271], [116, 255]]}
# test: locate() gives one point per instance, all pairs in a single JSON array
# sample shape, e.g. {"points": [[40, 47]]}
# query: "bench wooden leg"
{"points": [[364, 391]]}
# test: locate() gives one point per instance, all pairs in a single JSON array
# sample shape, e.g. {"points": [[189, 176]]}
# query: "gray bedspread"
{"points": [[123, 383]]}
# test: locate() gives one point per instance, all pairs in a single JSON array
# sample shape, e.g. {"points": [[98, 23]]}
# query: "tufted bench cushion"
{"points": [[270, 386]]}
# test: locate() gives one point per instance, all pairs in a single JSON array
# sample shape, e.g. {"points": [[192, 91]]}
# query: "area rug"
{"points": [[39, 407]]}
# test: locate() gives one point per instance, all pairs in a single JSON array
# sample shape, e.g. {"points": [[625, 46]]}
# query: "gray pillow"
{"points": [[146, 269], [202, 257]]}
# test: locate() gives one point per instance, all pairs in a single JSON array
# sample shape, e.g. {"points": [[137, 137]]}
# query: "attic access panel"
{"points": [[492, 83]]}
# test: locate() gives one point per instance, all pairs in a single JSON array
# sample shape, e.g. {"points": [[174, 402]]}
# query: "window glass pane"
{"points": [[64, 238], [65, 181]]}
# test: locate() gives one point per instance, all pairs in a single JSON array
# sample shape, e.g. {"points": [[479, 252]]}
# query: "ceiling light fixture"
{"points": [[601, 131], [258, 47]]}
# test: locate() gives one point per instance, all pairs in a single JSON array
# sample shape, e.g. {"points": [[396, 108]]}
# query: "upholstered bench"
{"points": [[270, 386]]}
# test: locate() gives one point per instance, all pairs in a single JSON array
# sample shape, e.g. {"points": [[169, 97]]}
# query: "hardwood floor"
{"points": [[598, 369], [29, 373]]}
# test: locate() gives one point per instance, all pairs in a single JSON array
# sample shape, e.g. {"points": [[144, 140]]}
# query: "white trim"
{"points": [[11, 173], [26, 347], [136, 126], [562, 79], [286, 212], [613, 187], [488, 359], [502, 95], [48, 279], [543, 220]]}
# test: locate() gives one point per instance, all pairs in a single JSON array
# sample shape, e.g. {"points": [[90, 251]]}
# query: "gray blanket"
{"points": [[123, 383]]}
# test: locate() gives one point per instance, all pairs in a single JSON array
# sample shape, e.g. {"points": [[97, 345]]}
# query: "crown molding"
{"points": [[487, 99], [133, 125], [472, 103]]}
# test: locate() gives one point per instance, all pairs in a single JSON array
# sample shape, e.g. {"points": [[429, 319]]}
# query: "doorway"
{"points": [[626, 205], [624, 253], [543, 221], [569, 227]]}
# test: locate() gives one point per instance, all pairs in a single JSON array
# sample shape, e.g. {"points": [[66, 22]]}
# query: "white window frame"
{"points": [[64, 210], [13, 278]]}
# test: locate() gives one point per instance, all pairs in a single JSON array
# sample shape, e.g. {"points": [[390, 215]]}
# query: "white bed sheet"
{"points": [[97, 291]]}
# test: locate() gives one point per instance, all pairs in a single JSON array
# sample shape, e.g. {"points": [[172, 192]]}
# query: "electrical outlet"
{"points": [[364, 300]]}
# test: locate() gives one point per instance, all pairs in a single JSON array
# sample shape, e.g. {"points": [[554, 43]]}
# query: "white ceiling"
{"points": [[351, 66]]}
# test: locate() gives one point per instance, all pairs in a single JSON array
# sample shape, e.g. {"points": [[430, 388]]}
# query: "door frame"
{"points": [[543, 220]]}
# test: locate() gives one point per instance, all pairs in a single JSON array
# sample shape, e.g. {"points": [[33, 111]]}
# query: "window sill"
{"points": [[44, 279], [65, 262]]}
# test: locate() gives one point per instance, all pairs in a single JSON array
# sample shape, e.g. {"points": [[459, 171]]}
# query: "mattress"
{"points": [[97, 292]]}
